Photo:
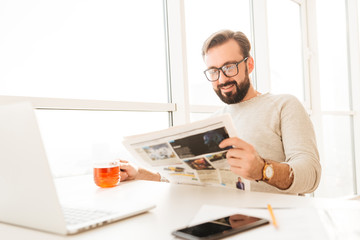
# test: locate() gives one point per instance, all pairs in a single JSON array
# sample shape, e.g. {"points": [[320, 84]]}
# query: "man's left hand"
{"points": [[243, 158]]}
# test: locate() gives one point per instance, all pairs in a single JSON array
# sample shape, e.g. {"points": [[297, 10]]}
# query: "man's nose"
{"points": [[222, 77]]}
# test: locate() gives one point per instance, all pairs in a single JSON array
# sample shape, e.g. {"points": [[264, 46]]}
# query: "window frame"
{"points": [[352, 13]]}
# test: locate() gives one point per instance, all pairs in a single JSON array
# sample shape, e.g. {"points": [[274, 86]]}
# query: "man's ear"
{"points": [[250, 64]]}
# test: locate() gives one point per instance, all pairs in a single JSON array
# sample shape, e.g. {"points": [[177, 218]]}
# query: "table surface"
{"points": [[176, 206]]}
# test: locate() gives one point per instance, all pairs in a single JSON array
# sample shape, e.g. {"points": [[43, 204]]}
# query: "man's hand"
{"points": [[127, 171], [130, 172], [243, 158], [246, 162]]}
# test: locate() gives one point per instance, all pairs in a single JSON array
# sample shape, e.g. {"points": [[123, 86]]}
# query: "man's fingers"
{"points": [[233, 142], [123, 176], [234, 162], [125, 166], [235, 153]]}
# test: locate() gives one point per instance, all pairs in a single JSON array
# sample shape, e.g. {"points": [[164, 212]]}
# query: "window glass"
{"points": [[337, 175], [334, 93], [72, 137], [333, 59], [111, 50], [285, 48], [202, 18], [358, 12]]}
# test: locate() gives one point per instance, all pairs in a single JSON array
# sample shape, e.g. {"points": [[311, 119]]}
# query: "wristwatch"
{"points": [[268, 171]]}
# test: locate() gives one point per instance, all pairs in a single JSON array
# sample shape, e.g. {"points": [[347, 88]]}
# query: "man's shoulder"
{"points": [[266, 100], [286, 104], [282, 99]]}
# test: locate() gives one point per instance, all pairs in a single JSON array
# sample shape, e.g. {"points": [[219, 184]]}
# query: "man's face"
{"points": [[229, 89]]}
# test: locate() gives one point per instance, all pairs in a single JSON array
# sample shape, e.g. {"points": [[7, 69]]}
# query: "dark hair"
{"points": [[223, 36]]}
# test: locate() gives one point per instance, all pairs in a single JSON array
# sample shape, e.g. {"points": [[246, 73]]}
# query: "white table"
{"points": [[176, 207]]}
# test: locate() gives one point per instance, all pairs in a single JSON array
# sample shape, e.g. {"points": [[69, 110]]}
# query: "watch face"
{"points": [[269, 172]]}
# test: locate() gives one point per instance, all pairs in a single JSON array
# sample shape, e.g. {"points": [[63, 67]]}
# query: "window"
{"points": [[335, 100], [77, 50], [83, 49], [73, 138], [285, 48], [337, 170], [333, 57]]}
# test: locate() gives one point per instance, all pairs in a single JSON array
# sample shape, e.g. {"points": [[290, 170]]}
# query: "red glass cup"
{"points": [[107, 174]]}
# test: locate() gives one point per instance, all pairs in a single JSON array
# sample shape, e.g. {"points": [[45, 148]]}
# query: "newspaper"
{"points": [[189, 153]]}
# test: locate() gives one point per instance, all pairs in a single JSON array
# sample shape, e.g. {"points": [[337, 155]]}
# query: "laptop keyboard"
{"points": [[76, 216]]}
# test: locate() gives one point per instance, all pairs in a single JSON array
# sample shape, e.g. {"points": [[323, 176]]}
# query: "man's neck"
{"points": [[251, 94]]}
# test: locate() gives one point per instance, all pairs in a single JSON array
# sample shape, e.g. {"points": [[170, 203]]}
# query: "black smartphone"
{"points": [[220, 228]]}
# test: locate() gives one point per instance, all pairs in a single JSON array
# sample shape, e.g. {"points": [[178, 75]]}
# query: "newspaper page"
{"points": [[189, 153]]}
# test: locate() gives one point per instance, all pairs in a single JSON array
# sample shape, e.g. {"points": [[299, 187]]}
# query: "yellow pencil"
{"points": [[272, 216]]}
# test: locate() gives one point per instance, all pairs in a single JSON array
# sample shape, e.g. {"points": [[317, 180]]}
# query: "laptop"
{"points": [[28, 193]]}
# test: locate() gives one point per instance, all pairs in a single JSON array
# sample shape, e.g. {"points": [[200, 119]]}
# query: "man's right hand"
{"points": [[131, 172], [127, 171]]}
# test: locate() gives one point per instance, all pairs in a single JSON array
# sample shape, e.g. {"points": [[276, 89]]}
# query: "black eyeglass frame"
{"points": [[221, 68]]}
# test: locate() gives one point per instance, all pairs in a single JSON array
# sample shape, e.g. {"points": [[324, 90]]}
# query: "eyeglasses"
{"points": [[229, 70]]}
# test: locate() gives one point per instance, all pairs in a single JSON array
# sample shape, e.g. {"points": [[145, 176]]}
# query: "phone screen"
{"points": [[221, 227]]}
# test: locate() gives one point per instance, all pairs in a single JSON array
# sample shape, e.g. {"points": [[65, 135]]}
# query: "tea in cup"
{"points": [[107, 174]]}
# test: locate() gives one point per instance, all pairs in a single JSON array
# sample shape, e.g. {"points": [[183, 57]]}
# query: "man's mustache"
{"points": [[227, 83]]}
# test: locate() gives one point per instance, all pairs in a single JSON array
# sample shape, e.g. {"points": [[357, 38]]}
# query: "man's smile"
{"points": [[227, 87]]}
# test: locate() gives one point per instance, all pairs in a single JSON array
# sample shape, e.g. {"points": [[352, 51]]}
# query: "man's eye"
{"points": [[212, 71], [228, 67]]}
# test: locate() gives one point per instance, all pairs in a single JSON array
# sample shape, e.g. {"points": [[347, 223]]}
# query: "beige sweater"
{"points": [[280, 129]]}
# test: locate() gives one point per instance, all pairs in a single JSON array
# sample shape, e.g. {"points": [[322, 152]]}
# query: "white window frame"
{"points": [[354, 74], [178, 75], [84, 104]]}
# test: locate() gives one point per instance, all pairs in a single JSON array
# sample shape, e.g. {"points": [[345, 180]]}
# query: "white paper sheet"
{"points": [[294, 223]]}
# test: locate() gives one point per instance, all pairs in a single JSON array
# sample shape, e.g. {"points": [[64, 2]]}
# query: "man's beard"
{"points": [[240, 93]]}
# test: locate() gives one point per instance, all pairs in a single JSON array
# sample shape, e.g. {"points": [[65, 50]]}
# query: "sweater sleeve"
{"points": [[300, 148]]}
